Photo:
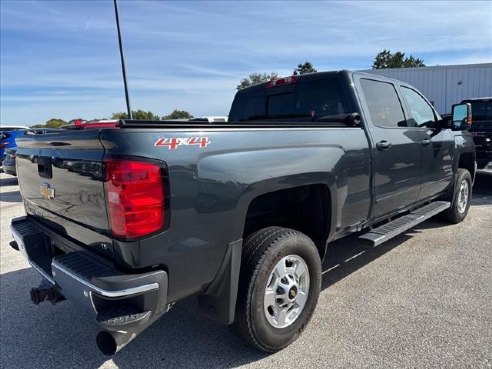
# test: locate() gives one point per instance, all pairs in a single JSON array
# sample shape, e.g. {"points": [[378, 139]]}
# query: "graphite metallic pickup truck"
{"points": [[126, 221]]}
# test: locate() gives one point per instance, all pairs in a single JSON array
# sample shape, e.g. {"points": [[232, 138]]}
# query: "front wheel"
{"points": [[278, 289], [461, 197]]}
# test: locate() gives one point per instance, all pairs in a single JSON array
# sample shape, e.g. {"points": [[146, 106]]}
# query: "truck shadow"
{"points": [[349, 254], [186, 339]]}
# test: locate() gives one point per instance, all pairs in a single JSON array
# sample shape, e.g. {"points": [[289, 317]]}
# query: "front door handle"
{"points": [[383, 145], [426, 141]]}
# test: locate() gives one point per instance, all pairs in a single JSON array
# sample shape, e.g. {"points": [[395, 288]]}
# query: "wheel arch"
{"points": [[467, 161], [305, 208]]}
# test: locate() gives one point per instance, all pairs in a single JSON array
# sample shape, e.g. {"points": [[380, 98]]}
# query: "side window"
{"points": [[422, 113], [384, 105]]}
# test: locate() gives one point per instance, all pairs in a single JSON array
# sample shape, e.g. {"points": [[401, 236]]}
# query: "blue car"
{"points": [[7, 138], [9, 153]]}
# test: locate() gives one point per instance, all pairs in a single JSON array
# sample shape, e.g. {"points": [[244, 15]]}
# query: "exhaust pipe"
{"points": [[109, 343]]}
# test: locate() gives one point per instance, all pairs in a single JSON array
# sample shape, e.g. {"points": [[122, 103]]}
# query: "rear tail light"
{"points": [[135, 197], [2, 145]]}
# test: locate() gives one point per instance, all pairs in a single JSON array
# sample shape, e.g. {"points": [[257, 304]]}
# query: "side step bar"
{"points": [[391, 229]]}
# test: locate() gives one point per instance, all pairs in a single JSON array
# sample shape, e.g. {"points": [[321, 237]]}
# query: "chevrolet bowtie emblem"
{"points": [[47, 191]]}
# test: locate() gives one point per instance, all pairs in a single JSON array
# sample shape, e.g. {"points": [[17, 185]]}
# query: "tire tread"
{"points": [[452, 215]]}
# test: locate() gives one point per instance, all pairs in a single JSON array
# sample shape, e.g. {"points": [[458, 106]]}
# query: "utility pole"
{"points": [[128, 108]]}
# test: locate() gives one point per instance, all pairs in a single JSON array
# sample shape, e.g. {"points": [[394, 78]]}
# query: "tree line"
{"points": [[383, 60], [256, 78]]}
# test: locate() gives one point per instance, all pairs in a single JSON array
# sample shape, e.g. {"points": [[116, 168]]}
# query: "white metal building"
{"points": [[445, 85]]}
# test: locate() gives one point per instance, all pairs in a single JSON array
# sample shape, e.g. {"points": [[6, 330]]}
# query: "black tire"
{"points": [[457, 213], [262, 251]]}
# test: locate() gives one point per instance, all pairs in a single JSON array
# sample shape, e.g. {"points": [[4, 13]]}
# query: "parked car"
{"points": [[88, 124], [210, 119], [481, 128], [238, 214], [7, 138], [10, 153], [9, 161]]}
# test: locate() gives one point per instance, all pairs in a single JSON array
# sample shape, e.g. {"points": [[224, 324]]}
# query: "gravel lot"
{"points": [[421, 300]]}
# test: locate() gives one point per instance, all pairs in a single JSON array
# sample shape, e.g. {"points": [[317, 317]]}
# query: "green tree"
{"points": [[256, 78], [178, 114], [119, 115], [385, 59], [305, 68], [136, 114], [38, 126], [55, 123]]}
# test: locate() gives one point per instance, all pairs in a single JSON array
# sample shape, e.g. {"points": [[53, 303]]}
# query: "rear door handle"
{"points": [[383, 145], [426, 141]]}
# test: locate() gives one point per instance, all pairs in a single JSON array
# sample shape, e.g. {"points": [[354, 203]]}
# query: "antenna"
{"points": [[129, 110]]}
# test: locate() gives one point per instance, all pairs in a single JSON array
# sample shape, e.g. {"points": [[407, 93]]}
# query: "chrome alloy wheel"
{"points": [[287, 291], [463, 196]]}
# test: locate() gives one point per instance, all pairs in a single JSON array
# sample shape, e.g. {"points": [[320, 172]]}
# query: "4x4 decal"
{"points": [[174, 143]]}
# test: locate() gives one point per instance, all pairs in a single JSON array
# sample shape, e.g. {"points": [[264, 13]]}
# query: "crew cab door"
{"points": [[396, 148], [437, 144]]}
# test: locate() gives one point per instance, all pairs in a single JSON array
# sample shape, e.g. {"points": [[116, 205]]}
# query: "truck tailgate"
{"points": [[61, 181]]}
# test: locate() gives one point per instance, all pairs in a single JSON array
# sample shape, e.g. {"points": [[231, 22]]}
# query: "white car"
{"points": [[212, 119]]}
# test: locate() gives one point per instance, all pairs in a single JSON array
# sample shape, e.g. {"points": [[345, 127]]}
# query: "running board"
{"points": [[391, 229]]}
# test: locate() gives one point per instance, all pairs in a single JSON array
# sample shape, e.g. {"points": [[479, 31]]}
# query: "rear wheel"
{"points": [[461, 197], [279, 287]]}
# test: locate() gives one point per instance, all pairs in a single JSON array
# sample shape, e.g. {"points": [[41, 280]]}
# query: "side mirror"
{"points": [[461, 117]]}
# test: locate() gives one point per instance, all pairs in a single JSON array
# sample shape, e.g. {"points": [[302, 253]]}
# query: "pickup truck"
{"points": [[481, 129], [125, 221]]}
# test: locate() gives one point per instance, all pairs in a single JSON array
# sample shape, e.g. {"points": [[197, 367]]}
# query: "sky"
{"points": [[60, 59]]}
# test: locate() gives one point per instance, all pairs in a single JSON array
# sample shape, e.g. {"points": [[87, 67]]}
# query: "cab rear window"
{"points": [[302, 101]]}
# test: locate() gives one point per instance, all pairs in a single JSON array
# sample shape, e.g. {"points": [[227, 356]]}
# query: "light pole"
{"points": [[128, 108]]}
